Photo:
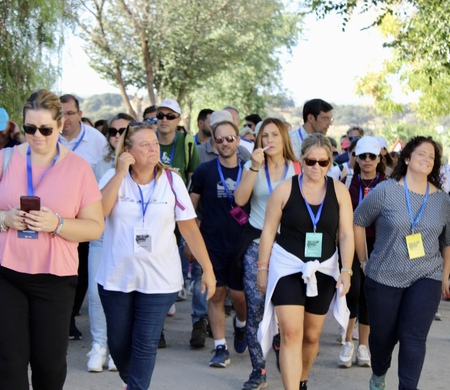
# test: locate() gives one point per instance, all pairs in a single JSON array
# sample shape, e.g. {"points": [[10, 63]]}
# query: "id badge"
{"points": [[28, 234], [313, 245], [142, 240], [415, 246], [239, 215]]}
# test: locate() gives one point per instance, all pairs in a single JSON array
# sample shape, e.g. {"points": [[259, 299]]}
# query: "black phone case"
{"points": [[28, 203]]}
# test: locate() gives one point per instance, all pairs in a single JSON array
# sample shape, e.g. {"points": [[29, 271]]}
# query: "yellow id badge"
{"points": [[415, 246]]}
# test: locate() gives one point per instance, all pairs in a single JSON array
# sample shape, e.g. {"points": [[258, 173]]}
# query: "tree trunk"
{"points": [[123, 93]]}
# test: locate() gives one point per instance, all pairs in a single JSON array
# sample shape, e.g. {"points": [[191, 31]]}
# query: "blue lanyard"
{"points": [[269, 183], [81, 139], [30, 171], [222, 179], [314, 218], [408, 202], [172, 153], [361, 186], [300, 133], [144, 204]]}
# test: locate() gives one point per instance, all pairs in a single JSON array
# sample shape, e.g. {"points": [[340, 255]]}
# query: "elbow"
{"points": [[97, 230]]}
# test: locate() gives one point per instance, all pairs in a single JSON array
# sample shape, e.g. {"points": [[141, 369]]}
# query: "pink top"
{"points": [[68, 187]]}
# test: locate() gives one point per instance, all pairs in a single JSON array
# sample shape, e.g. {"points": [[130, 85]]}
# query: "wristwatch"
{"points": [[349, 270]]}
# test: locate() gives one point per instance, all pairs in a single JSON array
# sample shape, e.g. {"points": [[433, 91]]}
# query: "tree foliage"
{"points": [[30, 40], [185, 49]]}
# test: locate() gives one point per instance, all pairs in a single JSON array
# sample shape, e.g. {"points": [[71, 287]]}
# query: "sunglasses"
{"points": [[357, 137], [169, 116], [152, 120], [112, 132], [228, 138], [311, 163], [364, 156], [30, 129]]}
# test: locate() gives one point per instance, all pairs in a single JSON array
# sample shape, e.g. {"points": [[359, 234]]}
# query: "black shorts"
{"points": [[291, 290], [224, 272]]}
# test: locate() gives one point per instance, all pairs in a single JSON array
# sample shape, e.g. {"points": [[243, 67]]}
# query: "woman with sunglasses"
{"points": [[409, 267], [272, 161], [368, 173], [38, 247], [140, 272], [98, 356], [300, 271]]}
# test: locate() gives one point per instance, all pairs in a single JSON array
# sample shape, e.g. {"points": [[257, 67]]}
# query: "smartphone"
{"points": [[28, 203]]}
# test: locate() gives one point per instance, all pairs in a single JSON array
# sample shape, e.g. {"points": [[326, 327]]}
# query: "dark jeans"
{"points": [[401, 315], [134, 323], [34, 328], [83, 277]]}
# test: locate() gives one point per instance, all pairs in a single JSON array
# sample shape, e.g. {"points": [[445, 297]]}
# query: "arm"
{"points": [[271, 222], [446, 275], [244, 191], [346, 237], [360, 245], [191, 233]]}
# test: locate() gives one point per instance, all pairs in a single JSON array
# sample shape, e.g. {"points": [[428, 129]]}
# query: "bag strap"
{"points": [[169, 177], [7, 157], [297, 168]]}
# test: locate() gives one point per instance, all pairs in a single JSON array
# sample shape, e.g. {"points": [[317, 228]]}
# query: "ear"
{"points": [[310, 118]]}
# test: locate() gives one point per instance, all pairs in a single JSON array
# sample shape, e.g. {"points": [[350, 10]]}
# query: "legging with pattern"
{"points": [[255, 306]]}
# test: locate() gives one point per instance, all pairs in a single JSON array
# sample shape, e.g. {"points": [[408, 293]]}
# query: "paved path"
{"points": [[179, 367]]}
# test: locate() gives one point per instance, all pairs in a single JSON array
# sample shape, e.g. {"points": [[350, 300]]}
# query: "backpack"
{"points": [[7, 157]]}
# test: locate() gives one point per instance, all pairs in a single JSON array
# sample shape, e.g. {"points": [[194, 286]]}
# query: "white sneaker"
{"points": [[97, 358], [111, 365], [346, 355], [438, 316], [172, 311], [182, 296], [363, 356]]}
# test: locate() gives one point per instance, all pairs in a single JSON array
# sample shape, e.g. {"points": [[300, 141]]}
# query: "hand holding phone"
{"points": [[28, 203]]}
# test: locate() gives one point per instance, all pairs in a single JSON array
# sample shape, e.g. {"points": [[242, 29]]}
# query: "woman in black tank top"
{"points": [[312, 211]]}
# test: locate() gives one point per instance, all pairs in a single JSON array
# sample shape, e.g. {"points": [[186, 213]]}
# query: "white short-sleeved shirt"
{"points": [[160, 270]]}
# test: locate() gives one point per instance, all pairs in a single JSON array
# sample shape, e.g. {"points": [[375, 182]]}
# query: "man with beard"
{"points": [[204, 127]]}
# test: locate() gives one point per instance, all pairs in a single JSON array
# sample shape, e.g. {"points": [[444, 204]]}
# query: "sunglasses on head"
{"points": [[30, 129], [228, 138], [151, 120], [363, 156], [112, 132], [169, 116], [311, 163]]}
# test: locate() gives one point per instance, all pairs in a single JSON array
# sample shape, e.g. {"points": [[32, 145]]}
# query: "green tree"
{"points": [[30, 40]]}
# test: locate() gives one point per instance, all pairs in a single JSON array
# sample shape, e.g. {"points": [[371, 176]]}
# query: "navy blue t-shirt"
{"points": [[219, 229]]}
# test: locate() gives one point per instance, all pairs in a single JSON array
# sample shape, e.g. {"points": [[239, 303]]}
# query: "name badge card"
{"points": [[28, 234], [313, 245], [239, 215], [142, 240], [415, 246]]}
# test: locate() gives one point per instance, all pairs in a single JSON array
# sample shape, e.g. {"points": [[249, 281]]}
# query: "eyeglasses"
{"points": [[169, 116], [311, 163], [228, 138], [30, 129], [70, 113], [364, 156], [112, 132]]}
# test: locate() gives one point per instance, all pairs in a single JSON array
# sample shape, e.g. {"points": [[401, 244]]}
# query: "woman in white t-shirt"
{"points": [[140, 273]]}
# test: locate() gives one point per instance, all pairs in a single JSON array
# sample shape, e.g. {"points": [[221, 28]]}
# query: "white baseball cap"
{"points": [[367, 144], [220, 116], [171, 104], [382, 141]]}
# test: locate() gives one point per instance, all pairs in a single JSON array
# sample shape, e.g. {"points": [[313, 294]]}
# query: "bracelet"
{"points": [[348, 270], [58, 227], [254, 170], [263, 269], [3, 227]]}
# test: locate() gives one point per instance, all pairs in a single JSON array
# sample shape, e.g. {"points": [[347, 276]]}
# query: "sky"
{"points": [[324, 64]]}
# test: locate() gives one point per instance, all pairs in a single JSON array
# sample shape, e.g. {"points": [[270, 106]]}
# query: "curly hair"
{"points": [[401, 168]]}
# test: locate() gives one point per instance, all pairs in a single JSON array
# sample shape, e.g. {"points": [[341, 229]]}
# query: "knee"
{"points": [[311, 337]]}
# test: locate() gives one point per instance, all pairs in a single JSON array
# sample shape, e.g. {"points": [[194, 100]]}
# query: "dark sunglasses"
{"points": [[228, 138], [30, 129], [169, 116], [354, 138], [311, 163], [364, 156], [152, 120], [112, 132]]}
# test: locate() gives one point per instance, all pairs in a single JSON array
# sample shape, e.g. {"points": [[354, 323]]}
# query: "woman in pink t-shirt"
{"points": [[38, 246]]}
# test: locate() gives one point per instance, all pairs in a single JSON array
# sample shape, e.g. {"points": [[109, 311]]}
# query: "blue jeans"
{"points": [[401, 315], [199, 303], [134, 322]]}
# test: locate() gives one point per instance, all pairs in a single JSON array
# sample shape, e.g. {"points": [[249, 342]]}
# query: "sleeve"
{"points": [[184, 198], [445, 235], [106, 178], [247, 165], [371, 207], [198, 180]]}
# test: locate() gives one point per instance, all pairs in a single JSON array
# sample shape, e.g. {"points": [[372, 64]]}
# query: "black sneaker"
{"points": [[276, 349], [303, 385], [162, 341], [198, 336], [74, 333], [240, 338], [257, 380]]}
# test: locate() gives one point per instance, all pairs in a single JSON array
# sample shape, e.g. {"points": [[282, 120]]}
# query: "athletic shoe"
{"points": [[377, 382], [172, 311], [111, 364], [276, 348], [257, 380], [346, 355], [97, 358], [182, 296], [162, 341], [198, 336], [240, 338], [74, 333], [303, 385], [362, 356], [438, 316], [221, 357]]}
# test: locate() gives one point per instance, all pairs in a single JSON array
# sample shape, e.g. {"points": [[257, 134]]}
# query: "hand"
{"points": [[445, 286], [257, 159], [14, 219], [208, 284], [261, 281], [124, 162], [344, 281], [188, 254], [43, 220], [363, 266], [14, 132]]}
